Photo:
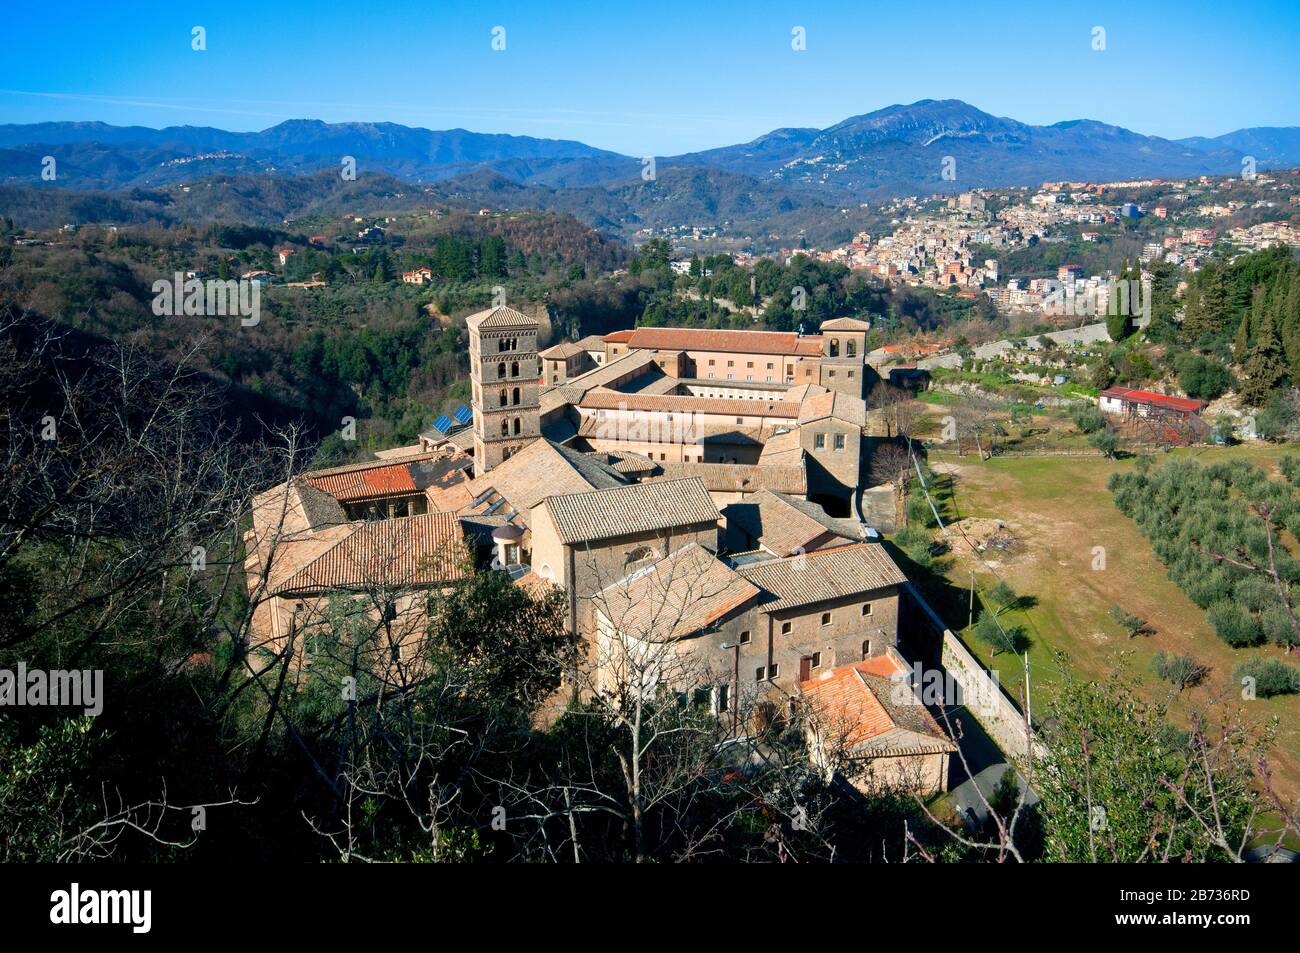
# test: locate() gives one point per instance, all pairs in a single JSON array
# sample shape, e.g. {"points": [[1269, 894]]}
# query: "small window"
{"points": [[731, 363], [722, 698], [740, 420], [785, 628], [760, 673], [839, 441], [711, 362], [745, 637], [850, 375], [749, 363], [866, 648], [866, 608], [819, 441], [826, 618], [774, 670], [832, 373], [816, 660]]}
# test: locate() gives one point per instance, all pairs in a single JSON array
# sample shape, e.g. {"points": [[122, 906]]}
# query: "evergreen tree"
{"points": [[1263, 369], [1241, 343]]}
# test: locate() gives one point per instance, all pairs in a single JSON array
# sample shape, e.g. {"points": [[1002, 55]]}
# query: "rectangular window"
{"points": [[866, 608], [710, 362], [839, 441], [769, 367], [826, 618], [745, 637], [832, 374], [749, 363], [785, 628], [759, 673], [722, 699], [740, 420], [816, 659], [866, 649], [774, 670], [819, 441]]}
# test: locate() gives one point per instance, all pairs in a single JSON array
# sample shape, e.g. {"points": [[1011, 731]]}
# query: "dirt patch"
{"points": [[989, 541]]}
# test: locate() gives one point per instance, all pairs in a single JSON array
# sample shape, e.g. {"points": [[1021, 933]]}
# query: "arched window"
{"points": [[514, 368], [517, 419], [835, 347], [851, 348], [505, 399], [505, 427], [514, 397], [501, 371]]}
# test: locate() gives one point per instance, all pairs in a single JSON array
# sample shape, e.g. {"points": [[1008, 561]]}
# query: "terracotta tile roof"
{"points": [[388, 478], [863, 708], [679, 595], [738, 342], [627, 510], [845, 324], [562, 351], [690, 433], [500, 317], [782, 449], [626, 462], [823, 576], [540, 470], [784, 525], [603, 399], [571, 391], [851, 410], [619, 337], [740, 477], [410, 551]]}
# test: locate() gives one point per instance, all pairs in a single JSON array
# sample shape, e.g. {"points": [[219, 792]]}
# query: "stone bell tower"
{"points": [[504, 373]]}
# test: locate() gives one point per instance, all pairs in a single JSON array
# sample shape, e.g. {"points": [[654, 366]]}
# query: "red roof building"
{"points": [[1125, 400]]}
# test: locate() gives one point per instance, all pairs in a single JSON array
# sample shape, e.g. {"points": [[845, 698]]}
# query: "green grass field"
{"points": [[1059, 512]]}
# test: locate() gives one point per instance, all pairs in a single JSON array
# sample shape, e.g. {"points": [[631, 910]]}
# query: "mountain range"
{"points": [[799, 173]]}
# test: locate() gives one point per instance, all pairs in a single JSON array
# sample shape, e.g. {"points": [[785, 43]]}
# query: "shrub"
{"points": [[1182, 670], [1088, 419], [1271, 676], [1202, 378], [919, 512], [1104, 441], [1278, 627], [1127, 621], [1290, 467], [1234, 624]]}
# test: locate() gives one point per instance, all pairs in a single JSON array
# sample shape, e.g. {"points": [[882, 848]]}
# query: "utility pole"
{"points": [[1029, 705], [971, 619]]}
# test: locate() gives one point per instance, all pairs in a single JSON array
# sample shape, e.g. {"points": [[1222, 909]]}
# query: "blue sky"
{"points": [[650, 77]]}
